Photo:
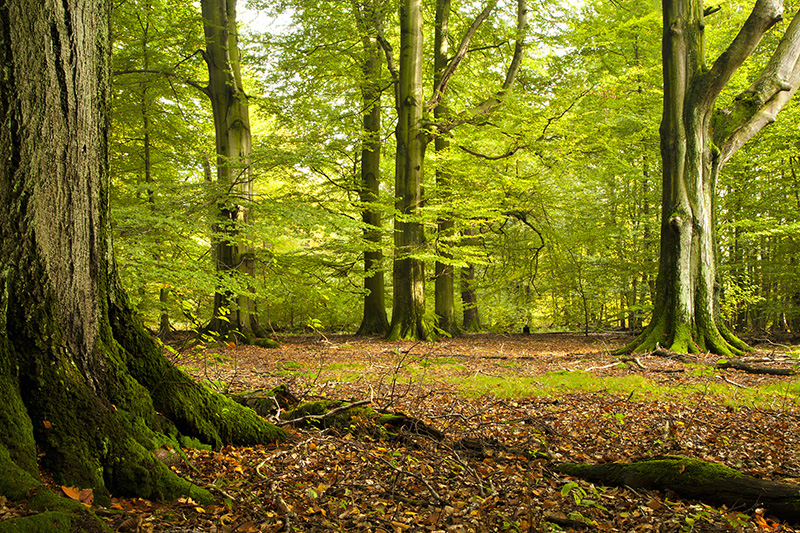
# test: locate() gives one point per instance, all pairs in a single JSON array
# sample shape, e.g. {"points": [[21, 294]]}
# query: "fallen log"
{"points": [[694, 479], [723, 364], [755, 369]]}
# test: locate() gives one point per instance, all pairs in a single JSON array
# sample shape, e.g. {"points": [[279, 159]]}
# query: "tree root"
{"points": [[723, 364]]}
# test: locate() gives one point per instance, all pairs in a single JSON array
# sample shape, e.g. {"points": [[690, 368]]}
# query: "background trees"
{"points": [[549, 204]]}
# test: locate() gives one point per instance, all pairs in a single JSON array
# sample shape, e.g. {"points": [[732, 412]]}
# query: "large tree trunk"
{"points": [[695, 142], [234, 309], [408, 303], [375, 321], [81, 381]]}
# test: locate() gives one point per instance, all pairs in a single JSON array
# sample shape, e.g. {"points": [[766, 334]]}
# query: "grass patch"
{"points": [[427, 362]]}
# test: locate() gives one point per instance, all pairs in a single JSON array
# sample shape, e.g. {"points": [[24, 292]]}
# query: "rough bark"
{"points": [[696, 141], [234, 310], [408, 301], [374, 321], [82, 383], [691, 478]]}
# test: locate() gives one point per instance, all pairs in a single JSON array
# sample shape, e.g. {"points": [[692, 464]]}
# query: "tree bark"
{"points": [[696, 141], [408, 301], [234, 308], [82, 383], [691, 478], [374, 321]]}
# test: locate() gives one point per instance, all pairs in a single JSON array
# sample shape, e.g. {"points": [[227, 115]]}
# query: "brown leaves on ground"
{"points": [[493, 472]]}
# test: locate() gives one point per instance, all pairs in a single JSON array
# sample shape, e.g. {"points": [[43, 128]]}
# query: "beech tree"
{"points": [[85, 390], [374, 321], [233, 247], [415, 130], [697, 139]]}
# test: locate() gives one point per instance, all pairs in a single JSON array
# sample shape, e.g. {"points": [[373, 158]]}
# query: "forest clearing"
{"points": [[496, 399]]}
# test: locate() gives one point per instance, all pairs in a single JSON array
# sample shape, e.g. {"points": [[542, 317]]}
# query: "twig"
{"points": [[418, 478], [282, 506], [734, 383], [634, 360]]}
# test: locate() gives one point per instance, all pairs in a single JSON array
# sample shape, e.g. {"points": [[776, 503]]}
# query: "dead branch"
{"points": [[737, 364], [332, 412]]}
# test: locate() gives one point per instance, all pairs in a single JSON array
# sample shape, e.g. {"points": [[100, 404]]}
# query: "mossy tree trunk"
{"points": [[234, 308], [696, 141], [374, 321], [82, 383]]}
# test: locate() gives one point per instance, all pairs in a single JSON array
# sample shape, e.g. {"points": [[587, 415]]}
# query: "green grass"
{"points": [[781, 395]]}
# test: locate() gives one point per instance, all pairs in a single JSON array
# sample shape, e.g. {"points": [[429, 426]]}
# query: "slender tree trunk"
{"points": [[695, 142], [87, 395], [408, 302], [469, 296], [444, 288], [234, 307], [375, 321]]}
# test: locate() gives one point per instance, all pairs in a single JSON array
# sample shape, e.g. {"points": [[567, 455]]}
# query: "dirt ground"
{"points": [[510, 408]]}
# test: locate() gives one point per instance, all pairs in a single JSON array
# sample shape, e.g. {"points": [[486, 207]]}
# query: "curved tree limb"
{"points": [[765, 14], [768, 94], [493, 102], [168, 74], [441, 87]]}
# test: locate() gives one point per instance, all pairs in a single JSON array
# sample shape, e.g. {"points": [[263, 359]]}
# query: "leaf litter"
{"points": [[506, 424]]}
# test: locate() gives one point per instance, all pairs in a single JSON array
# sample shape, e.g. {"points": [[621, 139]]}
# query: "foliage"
{"points": [[555, 197]]}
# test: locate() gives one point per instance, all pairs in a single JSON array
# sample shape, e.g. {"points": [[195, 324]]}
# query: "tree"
{"points": [[233, 248], [83, 384], [408, 302], [444, 293], [414, 132], [696, 141], [375, 320]]}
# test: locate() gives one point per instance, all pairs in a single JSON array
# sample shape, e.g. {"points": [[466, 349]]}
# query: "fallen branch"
{"points": [[332, 412], [726, 380], [563, 521], [755, 369], [692, 478], [634, 360]]}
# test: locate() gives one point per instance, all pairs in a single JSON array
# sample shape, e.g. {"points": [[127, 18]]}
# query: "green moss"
{"points": [[267, 343], [56, 515], [15, 482], [670, 471]]}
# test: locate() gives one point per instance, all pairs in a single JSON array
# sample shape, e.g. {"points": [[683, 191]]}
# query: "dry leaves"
{"points": [[492, 472]]}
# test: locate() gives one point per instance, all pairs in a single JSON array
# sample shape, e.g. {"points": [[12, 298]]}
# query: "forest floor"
{"points": [[495, 398]]}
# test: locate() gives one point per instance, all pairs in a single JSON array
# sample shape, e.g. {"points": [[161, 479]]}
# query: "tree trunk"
{"points": [[234, 309], [695, 142], [375, 321], [82, 383], [469, 296], [408, 302], [444, 286]]}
